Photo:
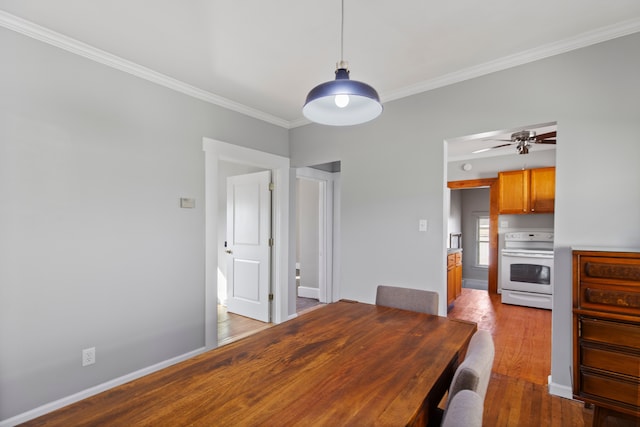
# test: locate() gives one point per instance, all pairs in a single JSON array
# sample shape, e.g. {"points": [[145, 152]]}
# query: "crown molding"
{"points": [[583, 40], [72, 45], [69, 44]]}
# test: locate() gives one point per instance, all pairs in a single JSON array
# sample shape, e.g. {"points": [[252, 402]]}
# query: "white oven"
{"points": [[527, 269]]}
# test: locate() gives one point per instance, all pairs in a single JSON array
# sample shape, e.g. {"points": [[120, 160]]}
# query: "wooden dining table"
{"points": [[346, 363]]}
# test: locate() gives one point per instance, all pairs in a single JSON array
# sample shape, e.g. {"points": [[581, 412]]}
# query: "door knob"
{"points": [[228, 251]]}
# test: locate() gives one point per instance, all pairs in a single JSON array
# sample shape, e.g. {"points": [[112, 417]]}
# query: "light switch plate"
{"points": [[504, 224], [422, 225], [187, 203]]}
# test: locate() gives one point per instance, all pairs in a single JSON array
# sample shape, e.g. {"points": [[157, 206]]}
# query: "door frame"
{"points": [[216, 151], [492, 183], [327, 228]]}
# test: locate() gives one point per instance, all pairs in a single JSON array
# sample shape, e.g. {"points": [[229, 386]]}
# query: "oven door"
{"points": [[527, 271]]}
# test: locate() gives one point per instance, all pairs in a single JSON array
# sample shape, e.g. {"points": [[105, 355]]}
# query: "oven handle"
{"points": [[526, 255]]}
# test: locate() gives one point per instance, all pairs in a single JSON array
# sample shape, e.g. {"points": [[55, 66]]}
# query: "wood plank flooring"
{"points": [[232, 327], [517, 394]]}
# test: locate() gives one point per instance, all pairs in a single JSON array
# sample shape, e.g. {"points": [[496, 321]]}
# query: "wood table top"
{"points": [[344, 364]]}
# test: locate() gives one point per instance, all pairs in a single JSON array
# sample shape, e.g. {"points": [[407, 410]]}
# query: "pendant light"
{"points": [[342, 102]]}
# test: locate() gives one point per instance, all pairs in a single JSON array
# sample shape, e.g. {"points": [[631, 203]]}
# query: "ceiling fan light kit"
{"points": [[342, 102]]}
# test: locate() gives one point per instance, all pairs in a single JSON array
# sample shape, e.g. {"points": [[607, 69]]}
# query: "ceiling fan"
{"points": [[523, 141]]}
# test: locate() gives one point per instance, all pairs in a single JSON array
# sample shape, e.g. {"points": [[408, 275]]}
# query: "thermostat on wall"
{"points": [[187, 203]]}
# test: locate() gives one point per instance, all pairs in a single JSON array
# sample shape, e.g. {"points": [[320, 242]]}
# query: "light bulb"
{"points": [[342, 100]]}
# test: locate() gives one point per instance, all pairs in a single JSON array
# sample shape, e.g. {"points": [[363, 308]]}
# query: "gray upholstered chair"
{"points": [[472, 374], [475, 370], [407, 299], [465, 410]]}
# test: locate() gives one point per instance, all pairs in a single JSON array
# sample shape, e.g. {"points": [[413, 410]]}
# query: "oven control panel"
{"points": [[529, 236]]}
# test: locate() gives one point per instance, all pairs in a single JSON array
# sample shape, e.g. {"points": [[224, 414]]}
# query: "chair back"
{"points": [[465, 410], [475, 370], [407, 299]]}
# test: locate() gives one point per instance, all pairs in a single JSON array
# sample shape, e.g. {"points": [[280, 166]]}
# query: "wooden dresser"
{"points": [[606, 333]]}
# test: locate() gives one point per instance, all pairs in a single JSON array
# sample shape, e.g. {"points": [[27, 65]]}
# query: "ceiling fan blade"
{"points": [[501, 145], [482, 150], [546, 141], [546, 135]]}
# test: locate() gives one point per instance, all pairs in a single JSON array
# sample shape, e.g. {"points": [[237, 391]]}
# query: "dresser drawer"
{"points": [[610, 388], [610, 360], [610, 332], [609, 284]]}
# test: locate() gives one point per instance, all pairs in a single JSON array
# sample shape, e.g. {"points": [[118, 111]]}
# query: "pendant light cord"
{"points": [[342, 34]]}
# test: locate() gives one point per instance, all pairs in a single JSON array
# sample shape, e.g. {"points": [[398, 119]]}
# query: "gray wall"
{"points": [[394, 170], [94, 248]]}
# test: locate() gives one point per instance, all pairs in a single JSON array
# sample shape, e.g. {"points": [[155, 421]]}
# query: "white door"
{"points": [[248, 250]]}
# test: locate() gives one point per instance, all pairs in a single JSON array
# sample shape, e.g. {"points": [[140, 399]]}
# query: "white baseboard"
{"points": [[306, 292], [475, 284], [559, 390], [57, 404]]}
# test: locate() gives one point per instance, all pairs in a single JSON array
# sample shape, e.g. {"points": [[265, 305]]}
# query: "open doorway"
{"points": [[232, 323], [317, 190], [216, 154], [470, 216], [472, 164]]}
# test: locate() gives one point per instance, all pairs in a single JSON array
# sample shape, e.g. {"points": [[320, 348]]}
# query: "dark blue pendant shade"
{"points": [[363, 102]]}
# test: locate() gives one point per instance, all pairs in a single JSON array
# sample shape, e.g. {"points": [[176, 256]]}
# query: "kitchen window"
{"points": [[482, 240]]}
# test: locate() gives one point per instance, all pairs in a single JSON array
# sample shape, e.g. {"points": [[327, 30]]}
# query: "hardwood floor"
{"points": [[232, 327], [517, 394]]}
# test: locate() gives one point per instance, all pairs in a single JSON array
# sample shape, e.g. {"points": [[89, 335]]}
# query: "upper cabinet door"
{"points": [[543, 190], [527, 191], [514, 192]]}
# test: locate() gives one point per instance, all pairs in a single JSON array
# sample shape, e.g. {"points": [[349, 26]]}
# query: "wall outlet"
{"points": [[88, 356]]}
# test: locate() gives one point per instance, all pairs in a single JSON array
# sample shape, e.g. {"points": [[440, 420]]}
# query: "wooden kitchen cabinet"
{"points": [[527, 191], [454, 276], [606, 333]]}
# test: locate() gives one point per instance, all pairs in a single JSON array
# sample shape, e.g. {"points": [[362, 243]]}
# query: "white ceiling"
{"points": [[262, 57]]}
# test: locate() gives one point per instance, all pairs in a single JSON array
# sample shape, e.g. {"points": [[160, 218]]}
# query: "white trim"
{"points": [[214, 152], [307, 292], [559, 389], [556, 48], [69, 44], [475, 284], [91, 391], [72, 45]]}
